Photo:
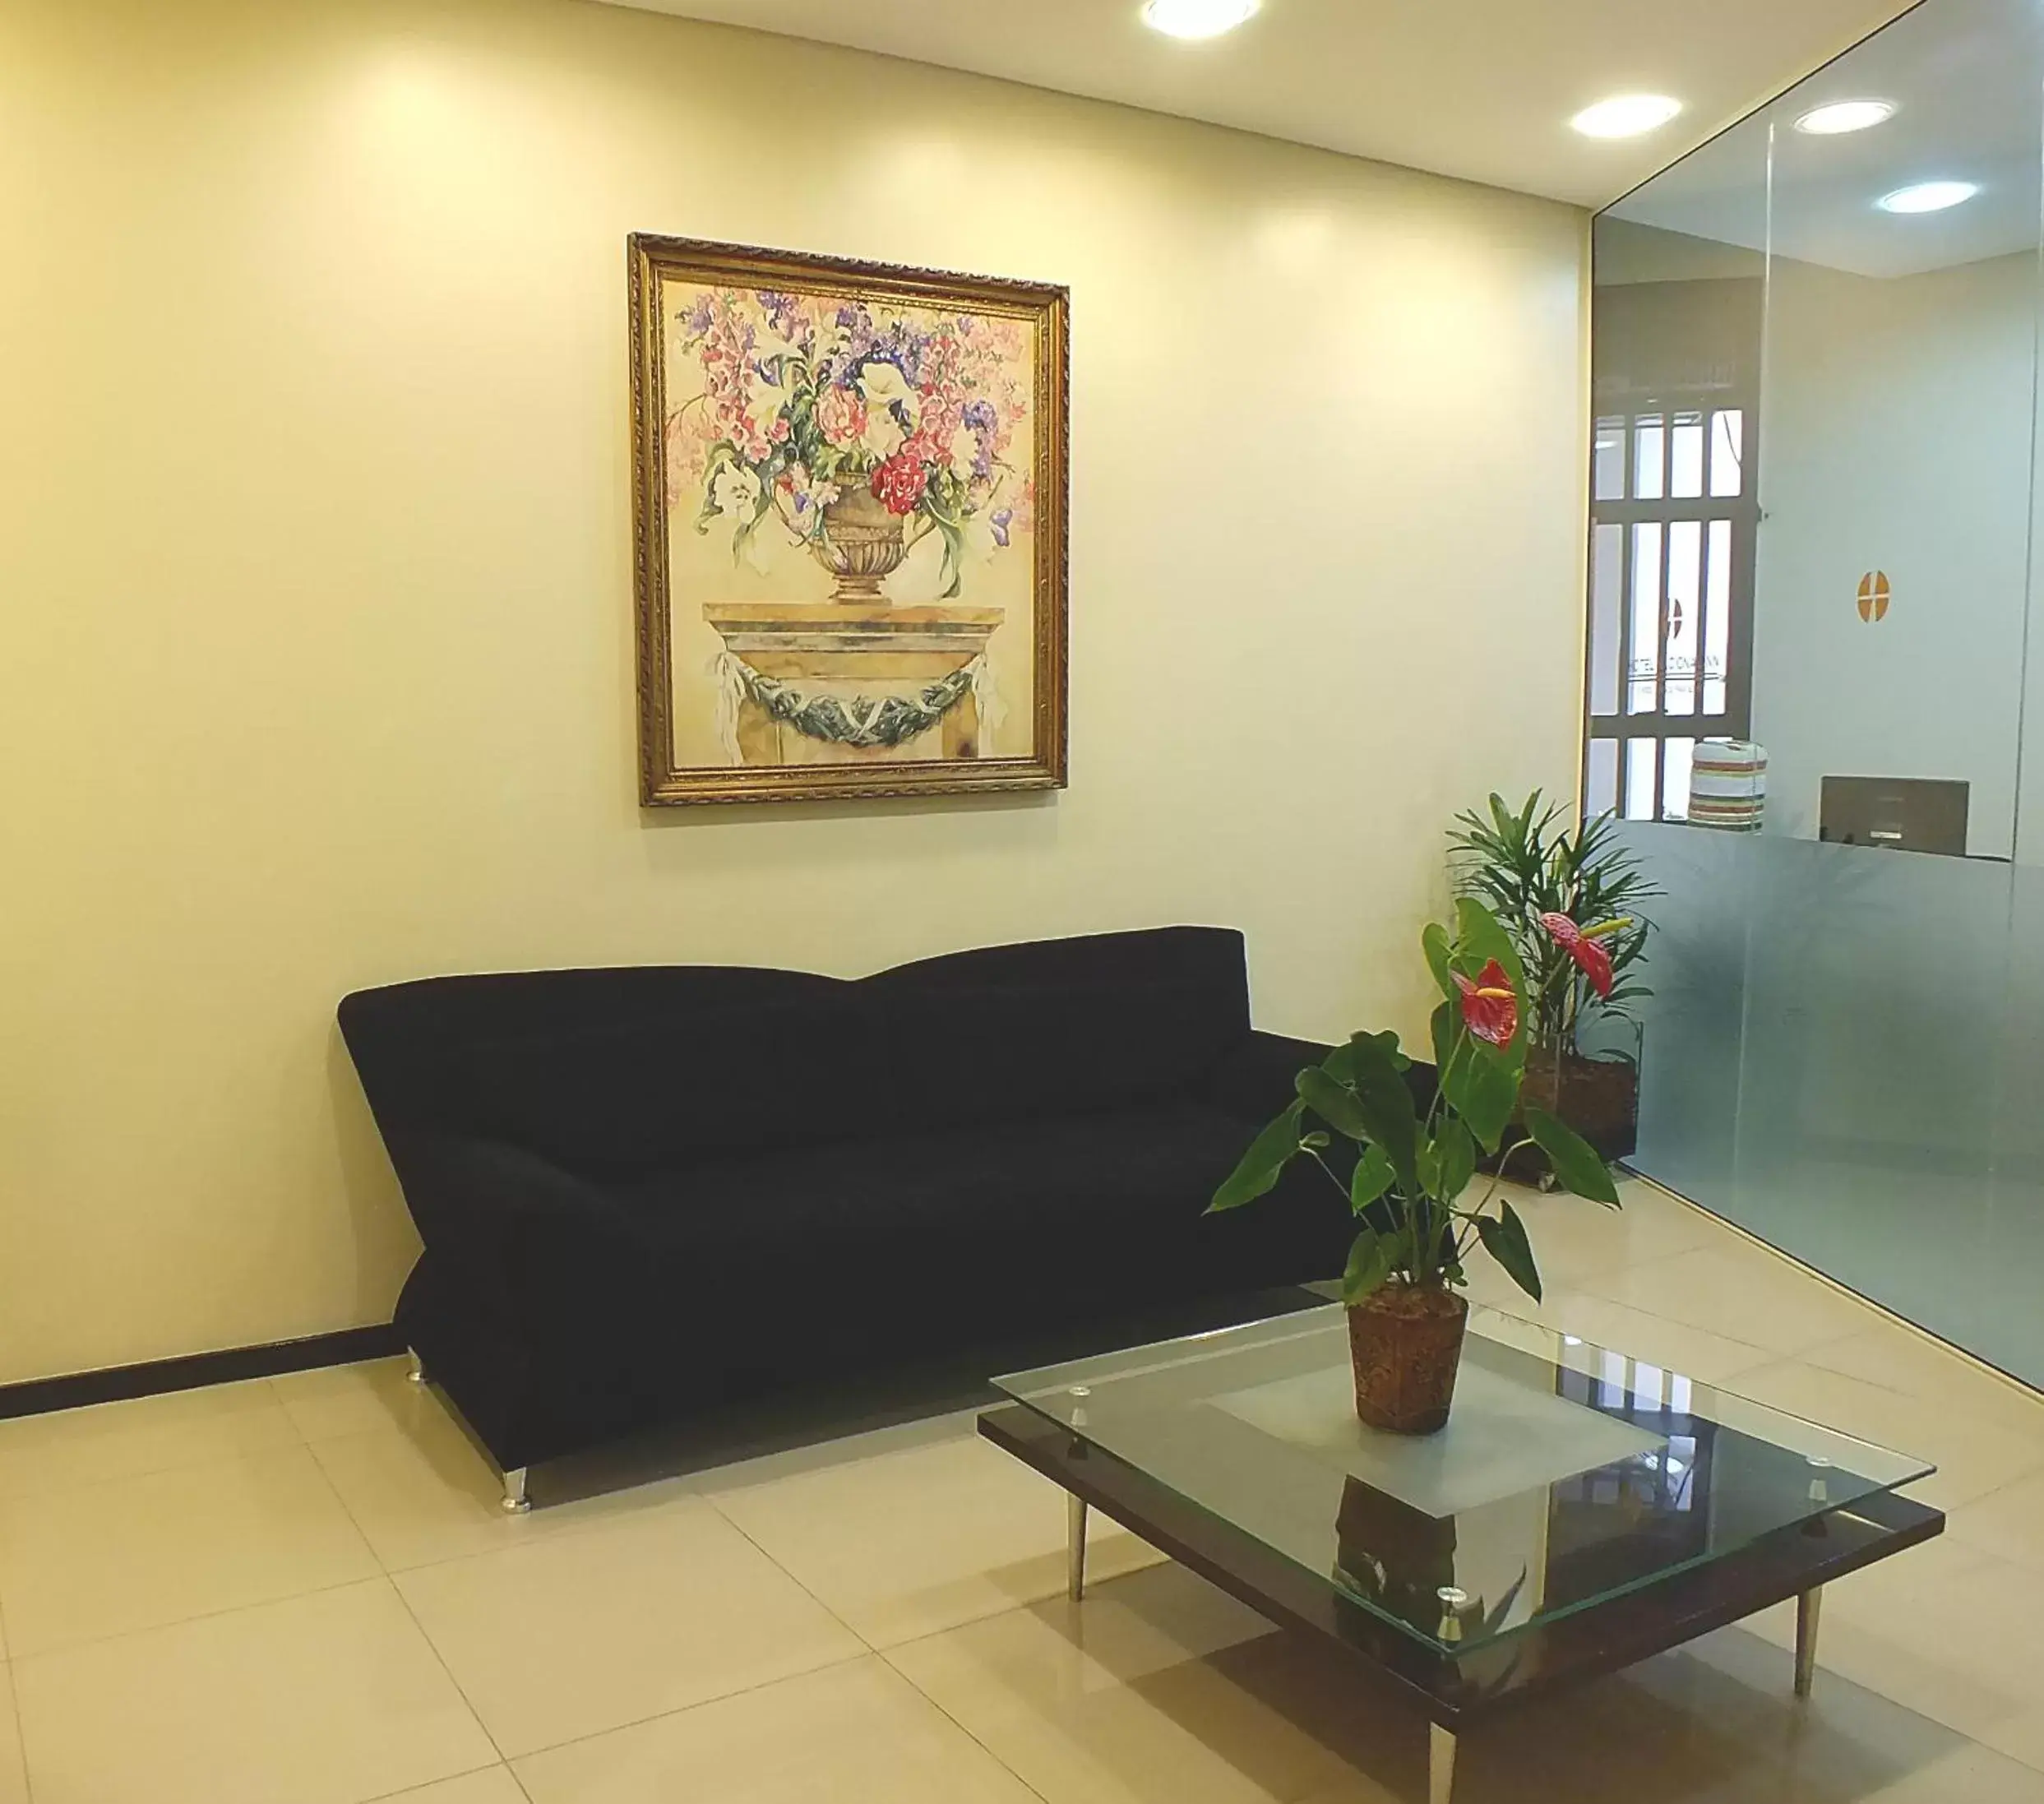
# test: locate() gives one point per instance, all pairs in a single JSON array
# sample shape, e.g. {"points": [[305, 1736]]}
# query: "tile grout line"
{"points": [[877, 1652], [1809, 1358], [689, 1709], [404, 1604], [955, 1723], [197, 1616], [868, 1652], [183, 1463], [738, 1530], [14, 1704], [468, 1704], [398, 1796], [556, 1531], [1878, 1310], [880, 1653]]}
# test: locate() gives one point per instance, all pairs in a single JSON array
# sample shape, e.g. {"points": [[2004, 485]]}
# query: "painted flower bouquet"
{"points": [[860, 432], [1405, 1155]]}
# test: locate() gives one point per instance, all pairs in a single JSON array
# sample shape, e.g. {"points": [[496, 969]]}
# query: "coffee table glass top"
{"points": [[1568, 1473]]}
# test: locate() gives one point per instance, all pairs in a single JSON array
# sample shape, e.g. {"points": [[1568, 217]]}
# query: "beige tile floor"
{"points": [[301, 1592]]}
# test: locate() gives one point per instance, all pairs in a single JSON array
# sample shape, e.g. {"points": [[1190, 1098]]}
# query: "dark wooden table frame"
{"points": [[1456, 1690]]}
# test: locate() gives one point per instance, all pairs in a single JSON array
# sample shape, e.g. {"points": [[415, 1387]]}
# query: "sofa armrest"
{"points": [[1255, 1081], [508, 1219]]}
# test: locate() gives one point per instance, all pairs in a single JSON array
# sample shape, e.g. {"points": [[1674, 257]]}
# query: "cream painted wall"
{"points": [[315, 593]]}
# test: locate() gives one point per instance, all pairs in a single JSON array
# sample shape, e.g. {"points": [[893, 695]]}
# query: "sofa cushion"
{"points": [[645, 1093], [1069, 1188], [1018, 1052], [413, 1042]]}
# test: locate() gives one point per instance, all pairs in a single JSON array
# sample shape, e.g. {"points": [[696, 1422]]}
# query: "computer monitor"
{"points": [[1901, 814]]}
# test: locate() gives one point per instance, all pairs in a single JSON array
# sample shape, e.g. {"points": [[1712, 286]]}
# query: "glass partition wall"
{"points": [[1814, 530]]}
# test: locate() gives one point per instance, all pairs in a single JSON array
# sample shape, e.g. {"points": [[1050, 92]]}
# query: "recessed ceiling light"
{"points": [[1829, 121], [1625, 115], [1198, 18], [1927, 196]]}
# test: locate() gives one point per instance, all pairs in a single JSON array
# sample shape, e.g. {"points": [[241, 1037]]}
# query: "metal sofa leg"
{"points": [[516, 1503], [417, 1373]]}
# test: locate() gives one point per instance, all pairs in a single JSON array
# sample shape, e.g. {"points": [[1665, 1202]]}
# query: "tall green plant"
{"points": [[1527, 866], [1409, 1167]]}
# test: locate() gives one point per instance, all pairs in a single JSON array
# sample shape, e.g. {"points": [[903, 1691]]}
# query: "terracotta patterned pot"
{"points": [[862, 543], [1405, 1344]]}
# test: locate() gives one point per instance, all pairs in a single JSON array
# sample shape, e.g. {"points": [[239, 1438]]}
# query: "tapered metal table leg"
{"points": [[1074, 1545], [1440, 1763], [1807, 1608], [516, 1503], [417, 1373]]}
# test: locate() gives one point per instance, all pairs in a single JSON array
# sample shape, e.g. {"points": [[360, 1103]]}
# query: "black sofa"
{"points": [[645, 1193]]}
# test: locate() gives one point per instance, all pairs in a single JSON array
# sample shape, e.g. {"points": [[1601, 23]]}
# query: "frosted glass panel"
{"points": [[1650, 454], [1643, 690], [1608, 459], [1832, 550], [1602, 776], [1641, 775], [1676, 755], [1690, 1063], [1685, 607], [1718, 617], [1686, 472], [1841, 1056], [1727, 444], [1607, 587]]}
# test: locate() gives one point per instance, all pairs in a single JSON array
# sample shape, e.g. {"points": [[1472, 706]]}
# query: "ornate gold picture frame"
{"points": [[850, 487]]}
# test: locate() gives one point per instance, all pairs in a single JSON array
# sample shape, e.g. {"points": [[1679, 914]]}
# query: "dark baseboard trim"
{"points": [[190, 1371]]}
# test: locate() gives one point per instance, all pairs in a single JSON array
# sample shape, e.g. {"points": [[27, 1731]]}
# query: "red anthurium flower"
{"points": [[1587, 952], [1490, 1006]]}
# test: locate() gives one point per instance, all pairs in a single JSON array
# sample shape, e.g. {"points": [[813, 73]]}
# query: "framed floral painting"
{"points": [[850, 512]]}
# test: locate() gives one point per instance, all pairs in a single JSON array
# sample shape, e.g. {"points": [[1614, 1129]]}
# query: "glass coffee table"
{"points": [[1582, 1510]]}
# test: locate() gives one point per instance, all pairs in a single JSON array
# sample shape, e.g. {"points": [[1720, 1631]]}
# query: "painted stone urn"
{"points": [[861, 544]]}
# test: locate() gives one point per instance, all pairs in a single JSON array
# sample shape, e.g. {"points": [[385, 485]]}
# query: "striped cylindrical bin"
{"points": [[1728, 784]]}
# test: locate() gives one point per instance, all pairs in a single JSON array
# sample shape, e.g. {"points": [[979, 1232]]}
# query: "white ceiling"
{"points": [[1482, 89], [1968, 79]]}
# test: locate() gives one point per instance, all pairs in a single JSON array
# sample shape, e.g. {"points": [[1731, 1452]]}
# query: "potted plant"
{"points": [[1570, 901], [1405, 1156]]}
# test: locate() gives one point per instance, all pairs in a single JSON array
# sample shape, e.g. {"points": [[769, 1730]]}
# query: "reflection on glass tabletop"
{"points": [[1568, 1473]]}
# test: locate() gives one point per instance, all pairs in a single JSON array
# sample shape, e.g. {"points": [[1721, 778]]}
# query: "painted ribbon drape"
{"points": [[858, 721]]}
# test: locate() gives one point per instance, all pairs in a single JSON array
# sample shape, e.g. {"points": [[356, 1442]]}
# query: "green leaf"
{"points": [[1446, 1025], [1369, 1265], [1455, 1152], [1389, 1041], [1426, 1163], [953, 572], [1268, 1155], [1372, 1178], [1335, 1103], [1575, 1164], [1479, 937], [1481, 1086], [1385, 1103], [1504, 1238], [1438, 952]]}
